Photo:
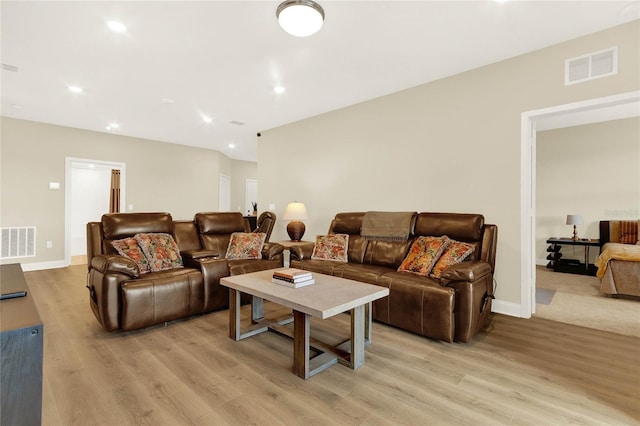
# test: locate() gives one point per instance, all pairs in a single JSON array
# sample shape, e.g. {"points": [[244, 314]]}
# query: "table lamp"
{"points": [[574, 219], [296, 212]]}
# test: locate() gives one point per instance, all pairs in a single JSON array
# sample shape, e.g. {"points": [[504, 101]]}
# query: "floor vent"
{"points": [[18, 242], [589, 67]]}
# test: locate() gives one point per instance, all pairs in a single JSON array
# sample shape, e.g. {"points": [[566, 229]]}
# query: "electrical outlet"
{"points": [[272, 207], [49, 244]]}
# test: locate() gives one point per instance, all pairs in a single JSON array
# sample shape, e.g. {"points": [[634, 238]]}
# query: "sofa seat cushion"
{"points": [[162, 296], [319, 266], [361, 272]]}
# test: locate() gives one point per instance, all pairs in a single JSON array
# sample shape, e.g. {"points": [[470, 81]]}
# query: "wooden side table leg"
{"points": [[357, 336], [301, 344], [234, 314]]}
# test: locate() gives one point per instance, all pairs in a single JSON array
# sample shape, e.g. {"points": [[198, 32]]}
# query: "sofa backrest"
{"points": [[215, 229], [351, 224], [466, 227], [186, 235], [265, 223], [115, 226]]}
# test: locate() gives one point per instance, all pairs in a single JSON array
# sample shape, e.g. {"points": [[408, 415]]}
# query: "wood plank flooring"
{"points": [[517, 372]]}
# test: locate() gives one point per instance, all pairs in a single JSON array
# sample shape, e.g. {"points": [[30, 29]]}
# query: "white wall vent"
{"points": [[17, 242], [589, 67]]}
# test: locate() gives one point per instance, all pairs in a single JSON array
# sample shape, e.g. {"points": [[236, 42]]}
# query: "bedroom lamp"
{"points": [[296, 213], [574, 219]]}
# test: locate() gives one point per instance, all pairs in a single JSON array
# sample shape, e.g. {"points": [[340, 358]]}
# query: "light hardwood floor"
{"points": [[518, 372]]}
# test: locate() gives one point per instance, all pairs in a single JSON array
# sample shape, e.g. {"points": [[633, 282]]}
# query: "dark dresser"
{"points": [[21, 336]]}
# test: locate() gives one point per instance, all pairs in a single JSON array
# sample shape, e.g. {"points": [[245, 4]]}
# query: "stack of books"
{"points": [[292, 277]]}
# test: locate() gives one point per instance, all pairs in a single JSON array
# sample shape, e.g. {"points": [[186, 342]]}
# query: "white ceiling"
{"points": [[222, 59]]}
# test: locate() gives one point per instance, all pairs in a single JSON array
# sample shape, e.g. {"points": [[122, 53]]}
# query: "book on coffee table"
{"points": [[292, 277], [292, 274], [292, 284]]}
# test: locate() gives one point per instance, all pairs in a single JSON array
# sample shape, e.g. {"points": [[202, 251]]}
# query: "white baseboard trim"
{"points": [[26, 267], [506, 308], [541, 262]]}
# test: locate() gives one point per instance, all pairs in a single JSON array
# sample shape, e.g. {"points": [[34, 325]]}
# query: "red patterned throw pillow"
{"points": [[423, 254], [331, 247], [246, 245], [161, 251], [129, 247], [455, 253]]}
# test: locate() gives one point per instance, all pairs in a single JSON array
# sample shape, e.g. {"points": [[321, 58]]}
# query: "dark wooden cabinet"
{"points": [[21, 337], [252, 221], [560, 263]]}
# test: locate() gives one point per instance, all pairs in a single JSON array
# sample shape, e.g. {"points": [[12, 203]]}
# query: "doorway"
{"points": [[224, 202], [250, 195], [87, 191], [529, 121]]}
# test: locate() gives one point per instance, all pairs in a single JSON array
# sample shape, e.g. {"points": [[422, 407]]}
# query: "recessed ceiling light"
{"points": [[117, 27], [114, 125], [167, 101], [231, 145], [16, 106], [207, 119], [279, 90], [75, 89]]}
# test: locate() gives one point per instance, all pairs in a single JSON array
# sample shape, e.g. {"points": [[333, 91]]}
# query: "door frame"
{"points": [[67, 195], [528, 185]]}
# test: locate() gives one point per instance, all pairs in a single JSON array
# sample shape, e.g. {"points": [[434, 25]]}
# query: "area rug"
{"points": [[544, 296], [577, 301]]}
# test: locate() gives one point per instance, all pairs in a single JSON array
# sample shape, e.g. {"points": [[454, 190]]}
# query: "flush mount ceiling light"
{"points": [[300, 18]]}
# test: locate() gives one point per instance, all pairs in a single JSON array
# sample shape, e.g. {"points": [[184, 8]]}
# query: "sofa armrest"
{"points": [[115, 264], [272, 251], [198, 254], [465, 271], [302, 251]]}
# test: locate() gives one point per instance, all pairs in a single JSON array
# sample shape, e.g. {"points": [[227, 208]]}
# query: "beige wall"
{"points": [[159, 177], [592, 170], [450, 145]]}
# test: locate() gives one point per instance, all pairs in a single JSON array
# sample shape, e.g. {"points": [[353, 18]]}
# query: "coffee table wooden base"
{"points": [[349, 352]]}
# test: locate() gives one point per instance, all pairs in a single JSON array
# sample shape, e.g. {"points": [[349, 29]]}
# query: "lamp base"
{"points": [[575, 234], [295, 229]]}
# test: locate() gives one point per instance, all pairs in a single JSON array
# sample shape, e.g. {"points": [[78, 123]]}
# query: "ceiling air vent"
{"points": [[591, 66]]}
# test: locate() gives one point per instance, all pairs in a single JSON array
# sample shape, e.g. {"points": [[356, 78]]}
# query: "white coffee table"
{"points": [[327, 297]]}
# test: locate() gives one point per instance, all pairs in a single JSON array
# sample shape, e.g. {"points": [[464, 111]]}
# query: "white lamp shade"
{"points": [[300, 18], [296, 211], [574, 219]]}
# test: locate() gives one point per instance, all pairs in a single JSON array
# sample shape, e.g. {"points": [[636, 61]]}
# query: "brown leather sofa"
{"points": [[122, 298], [454, 307]]}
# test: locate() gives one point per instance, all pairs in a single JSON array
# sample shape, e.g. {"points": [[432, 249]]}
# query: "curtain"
{"points": [[114, 198]]}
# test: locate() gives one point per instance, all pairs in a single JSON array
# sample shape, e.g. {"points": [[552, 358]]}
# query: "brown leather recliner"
{"points": [[453, 307], [122, 298], [265, 223]]}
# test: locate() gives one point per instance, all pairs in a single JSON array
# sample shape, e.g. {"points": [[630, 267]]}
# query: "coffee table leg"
{"points": [[256, 309], [368, 321], [357, 336], [301, 344], [234, 314]]}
